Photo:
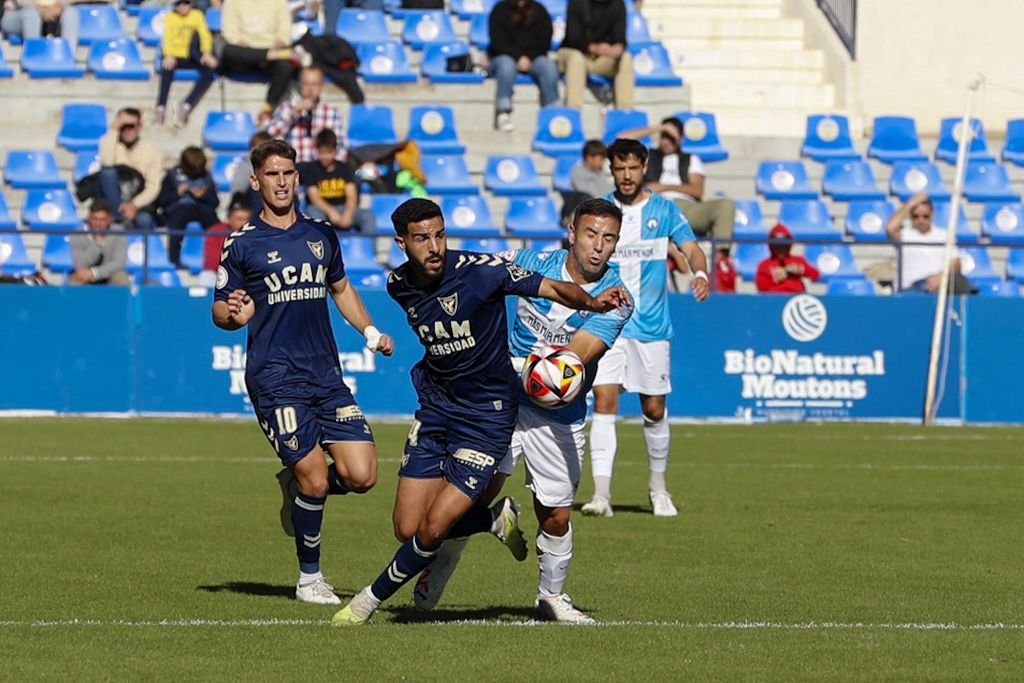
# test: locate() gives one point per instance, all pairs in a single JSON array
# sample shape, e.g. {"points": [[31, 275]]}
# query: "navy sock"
{"points": [[307, 517], [336, 486], [408, 562], [477, 520]]}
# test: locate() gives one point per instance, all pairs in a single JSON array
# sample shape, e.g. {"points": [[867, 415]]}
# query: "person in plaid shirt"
{"points": [[299, 120]]}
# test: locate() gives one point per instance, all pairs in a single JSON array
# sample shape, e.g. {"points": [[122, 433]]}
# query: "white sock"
{"points": [[603, 444], [656, 434], [306, 579], [554, 554]]}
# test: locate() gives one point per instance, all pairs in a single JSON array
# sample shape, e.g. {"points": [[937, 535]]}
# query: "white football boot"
{"points": [[662, 503], [431, 583], [317, 592], [599, 506], [560, 609]]}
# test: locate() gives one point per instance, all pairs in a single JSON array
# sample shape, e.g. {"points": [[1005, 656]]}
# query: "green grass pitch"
{"points": [[150, 550]]}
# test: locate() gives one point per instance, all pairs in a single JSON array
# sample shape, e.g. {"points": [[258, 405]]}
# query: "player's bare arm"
{"points": [[572, 295], [587, 346], [352, 308], [236, 312], [698, 265]]}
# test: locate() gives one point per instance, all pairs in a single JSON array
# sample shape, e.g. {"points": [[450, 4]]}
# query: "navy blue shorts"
{"points": [[464, 449], [298, 419]]}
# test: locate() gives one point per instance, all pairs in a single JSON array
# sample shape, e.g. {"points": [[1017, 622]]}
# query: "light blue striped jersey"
{"points": [[641, 258]]}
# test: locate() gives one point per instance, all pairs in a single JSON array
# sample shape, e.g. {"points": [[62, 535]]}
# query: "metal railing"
{"points": [[842, 14]]}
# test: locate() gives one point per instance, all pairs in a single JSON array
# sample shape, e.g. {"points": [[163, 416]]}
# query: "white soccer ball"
{"points": [[553, 377]]}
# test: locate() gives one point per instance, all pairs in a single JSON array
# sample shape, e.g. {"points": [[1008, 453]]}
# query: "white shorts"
{"points": [[637, 366], [554, 456]]}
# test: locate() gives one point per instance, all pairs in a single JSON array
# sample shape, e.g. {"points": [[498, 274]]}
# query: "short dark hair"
{"points": [[327, 138], [192, 162], [927, 201], [131, 111], [675, 123], [239, 202], [101, 205], [594, 147], [258, 138], [624, 148], [271, 148], [413, 211], [597, 207]]}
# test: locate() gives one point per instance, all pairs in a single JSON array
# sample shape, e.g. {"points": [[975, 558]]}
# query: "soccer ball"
{"points": [[553, 377]]}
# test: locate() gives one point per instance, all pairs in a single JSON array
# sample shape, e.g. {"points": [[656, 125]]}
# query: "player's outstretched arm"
{"points": [[234, 313], [572, 295], [587, 346], [352, 308], [698, 265]]}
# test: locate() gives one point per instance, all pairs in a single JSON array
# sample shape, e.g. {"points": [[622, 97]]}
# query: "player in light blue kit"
{"points": [[652, 230]]}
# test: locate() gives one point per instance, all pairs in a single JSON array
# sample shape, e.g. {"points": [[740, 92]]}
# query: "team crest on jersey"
{"points": [[449, 304], [652, 223], [273, 257], [292, 443], [317, 248], [222, 277], [517, 272]]}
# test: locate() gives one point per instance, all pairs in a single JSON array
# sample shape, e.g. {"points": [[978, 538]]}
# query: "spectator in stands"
{"points": [[122, 146], [520, 34], [299, 120], [39, 18], [725, 273], [921, 269], [332, 191], [595, 43], [188, 194], [99, 257], [332, 10], [783, 273], [239, 213], [187, 44], [591, 176], [257, 34]]}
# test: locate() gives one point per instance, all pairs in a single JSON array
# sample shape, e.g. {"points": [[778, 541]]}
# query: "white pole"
{"points": [[966, 132]]}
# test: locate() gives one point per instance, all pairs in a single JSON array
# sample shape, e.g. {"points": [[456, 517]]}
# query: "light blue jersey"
{"points": [[541, 322], [641, 258]]}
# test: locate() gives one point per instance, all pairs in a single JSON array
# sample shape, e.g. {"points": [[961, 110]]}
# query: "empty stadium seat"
{"points": [[49, 209], [512, 175], [828, 137], [87, 162], [910, 177], [98, 23], [81, 126], [158, 277], [988, 182], [427, 28], [807, 219], [140, 249], [363, 26], [467, 9], [467, 214], [447, 174], [435, 63], [1013, 148], [850, 179], [150, 29], [976, 265], [652, 67], [637, 31], [49, 58], [1003, 222], [479, 31], [370, 124], [485, 246], [561, 177], [559, 132], [850, 286], [116, 60], [360, 254], [700, 136], [433, 129], [223, 170], [5, 70], [192, 248], [940, 219], [747, 256], [533, 215], [1015, 264], [228, 130], [214, 17], [382, 206], [749, 221], [1000, 288], [618, 120], [385, 62], [6, 221], [865, 220], [894, 138], [949, 141], [14, 258], [784, 180], [32, 169], [835, 261], [57, 253]]}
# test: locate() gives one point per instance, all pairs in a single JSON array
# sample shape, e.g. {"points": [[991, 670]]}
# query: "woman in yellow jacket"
{"points": [[187, 44]]}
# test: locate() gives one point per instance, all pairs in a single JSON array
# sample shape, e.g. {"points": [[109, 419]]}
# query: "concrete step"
{"points": [[709, 42], [755, 56], [703, 76], [727, 27], [668, 13], [804, 98]]}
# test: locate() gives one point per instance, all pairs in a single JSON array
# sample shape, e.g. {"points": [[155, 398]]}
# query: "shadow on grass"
{"points": [[263, 590], [404, 614]]}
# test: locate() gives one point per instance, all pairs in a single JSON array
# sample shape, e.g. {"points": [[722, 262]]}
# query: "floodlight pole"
{"points": [[966, 132]]}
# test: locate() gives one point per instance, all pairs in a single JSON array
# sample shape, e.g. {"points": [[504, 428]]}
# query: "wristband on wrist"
{"points": [[702, 275], [372, 336]]}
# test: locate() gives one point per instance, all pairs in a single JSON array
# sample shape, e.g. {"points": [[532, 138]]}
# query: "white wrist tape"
{"points": [[702, 275], [372, 336]]}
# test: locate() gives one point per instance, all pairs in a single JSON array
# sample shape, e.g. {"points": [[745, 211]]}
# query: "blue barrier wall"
{"points": [[748, 357]]}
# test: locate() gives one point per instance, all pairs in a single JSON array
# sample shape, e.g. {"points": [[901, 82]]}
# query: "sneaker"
{"points": [[663, 506], [289, 489], [560, 609], [430, 585], [158, 116], [317, 592], [503, 122], [358, 611], [181, 118], [506, 518], [599, 506]]}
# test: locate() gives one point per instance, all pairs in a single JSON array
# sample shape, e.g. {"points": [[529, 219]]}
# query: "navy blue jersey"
{"points": [[463, 326], [287, 273]]}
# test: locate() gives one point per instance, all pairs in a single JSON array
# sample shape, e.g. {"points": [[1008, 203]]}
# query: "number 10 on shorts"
{"points": [[287, 422]]}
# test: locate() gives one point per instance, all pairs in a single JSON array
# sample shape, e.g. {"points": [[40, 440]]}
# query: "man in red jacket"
{"points": [[782, 272]]}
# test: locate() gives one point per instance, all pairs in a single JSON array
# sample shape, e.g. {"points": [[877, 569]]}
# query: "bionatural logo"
{"points": [[804, 318]]}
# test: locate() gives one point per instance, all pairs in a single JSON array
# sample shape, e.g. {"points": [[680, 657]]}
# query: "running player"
{"points": [[275, 276], [467, 388], [652, 228]]}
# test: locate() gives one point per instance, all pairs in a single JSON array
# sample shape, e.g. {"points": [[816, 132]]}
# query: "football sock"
{"points": [[307, 517], [412, 557], [554, 553], [656, 434], [336, 486], [477, 520], [603, 444], [305, 578]]}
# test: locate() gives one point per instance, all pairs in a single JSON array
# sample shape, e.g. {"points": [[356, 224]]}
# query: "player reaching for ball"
{"points": [[552, 441]]}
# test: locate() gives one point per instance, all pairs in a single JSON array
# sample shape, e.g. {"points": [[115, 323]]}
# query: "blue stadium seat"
{"points": [[618, 120], [6, 221], [976, 265], [749, 221], [467, 9], [1003, 289], [488, 245], [949, 141], [228, 130], [748, 256], [192, 248], [87, 162], [98, 23], [532, 216], [1003, 222], [512, 175], [5, 70], [807, 219], [652, 66], [561, 177], [383, 205], [479, 31], [385, 62], [131, 7], [117, 60], [850, 286], [158, 277], [184, 75], [429, 27], [828, 137], [370, 280], [370, 124], [894, 138], [14, 258], [363, 26], [81, 126], [1015, 265], [49, 58], [214, 17], [57, 253], [559, 132], [433, 129], [865, 220], [49, 209], [784, 180], [467, 214], [1013, 148], [447, 174], [32, 169], [435, 63], [150, 29], [136, 254], [637, 32], [988, 182], [911, 177], [396, 256], [835, 261], [224, 168], [700, 136], [849, 179], [360, 255], [964, 233]]}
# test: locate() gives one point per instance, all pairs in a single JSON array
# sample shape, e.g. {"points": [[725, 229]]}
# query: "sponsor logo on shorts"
{"points": [[471, 483], [292, 443], [474, 458], [348, 414], [498, 405]]}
